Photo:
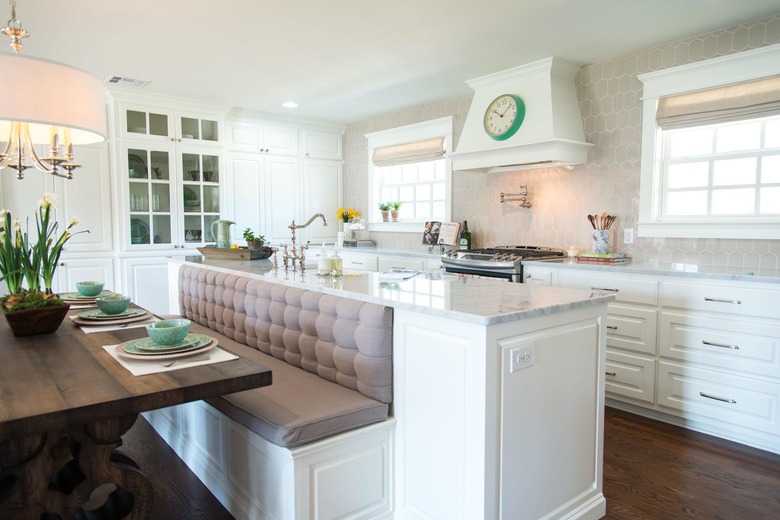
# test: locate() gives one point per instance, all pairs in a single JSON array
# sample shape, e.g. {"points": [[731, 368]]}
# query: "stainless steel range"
{"points": [[498, 262]]}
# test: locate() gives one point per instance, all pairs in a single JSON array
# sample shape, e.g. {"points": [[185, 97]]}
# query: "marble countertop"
{"points": [[476, 300], [746, 274]]}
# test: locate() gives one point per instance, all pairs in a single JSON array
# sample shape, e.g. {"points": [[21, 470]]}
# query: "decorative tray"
{"points": [[239, 253]]}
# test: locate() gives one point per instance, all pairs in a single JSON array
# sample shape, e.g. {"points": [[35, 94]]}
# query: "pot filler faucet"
{"points": [[293, 254]]}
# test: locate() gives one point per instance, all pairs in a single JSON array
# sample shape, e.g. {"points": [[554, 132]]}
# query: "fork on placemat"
{"points": [[185, 360]]}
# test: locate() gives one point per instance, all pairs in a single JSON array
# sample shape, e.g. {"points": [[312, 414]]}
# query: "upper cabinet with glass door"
{"points": [[138, 121]]}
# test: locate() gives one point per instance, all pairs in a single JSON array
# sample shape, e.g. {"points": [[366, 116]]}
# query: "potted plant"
{"points": [[384, 207], [253, 241], [396, 205], [32, 310]]}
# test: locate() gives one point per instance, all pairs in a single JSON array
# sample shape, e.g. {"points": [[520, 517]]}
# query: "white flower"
{"points": [[48, 200], [74, 221], [17, 224], [3, 213]]}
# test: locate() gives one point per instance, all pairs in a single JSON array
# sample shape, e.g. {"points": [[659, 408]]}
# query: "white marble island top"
{"points": [[475, 300]]}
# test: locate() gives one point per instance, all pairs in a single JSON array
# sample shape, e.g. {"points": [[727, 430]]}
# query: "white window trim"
{"points": [[407, 134], [734, 68]]}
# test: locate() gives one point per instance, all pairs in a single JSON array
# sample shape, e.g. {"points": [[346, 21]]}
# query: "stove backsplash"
{"points": [[609, 95]]}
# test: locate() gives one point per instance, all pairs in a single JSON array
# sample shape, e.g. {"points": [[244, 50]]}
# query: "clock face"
{"points": [[503, 116]]}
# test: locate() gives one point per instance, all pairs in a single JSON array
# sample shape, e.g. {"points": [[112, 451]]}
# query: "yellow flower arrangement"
{"points": [[345, 214]]}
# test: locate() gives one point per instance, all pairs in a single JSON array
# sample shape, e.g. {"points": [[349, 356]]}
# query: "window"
{"points": [[711, 151], [408, 164], [722, 170]]}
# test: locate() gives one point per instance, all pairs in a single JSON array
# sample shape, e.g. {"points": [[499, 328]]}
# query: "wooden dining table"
{"points": [[65, 404]]}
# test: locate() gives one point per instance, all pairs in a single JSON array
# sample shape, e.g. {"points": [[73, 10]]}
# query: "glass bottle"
{"points": [[465, 236], [336, 264]]}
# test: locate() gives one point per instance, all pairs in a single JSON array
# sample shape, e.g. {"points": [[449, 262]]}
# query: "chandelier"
{"points": [[45, 103]]}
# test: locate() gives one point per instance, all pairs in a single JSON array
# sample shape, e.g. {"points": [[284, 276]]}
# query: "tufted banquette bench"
{"points": [[331, 359]]}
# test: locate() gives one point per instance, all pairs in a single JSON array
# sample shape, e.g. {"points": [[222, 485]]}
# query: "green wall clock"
{"points": [[503, 116]]}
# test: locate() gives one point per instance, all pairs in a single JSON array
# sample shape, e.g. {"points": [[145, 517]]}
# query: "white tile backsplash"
{"points": [[609, 94]]}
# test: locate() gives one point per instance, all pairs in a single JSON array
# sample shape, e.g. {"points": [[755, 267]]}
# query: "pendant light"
{"points": [[45, 103]]}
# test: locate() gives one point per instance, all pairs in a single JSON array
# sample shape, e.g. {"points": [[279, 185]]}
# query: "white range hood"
{"points": [[551, 133]]}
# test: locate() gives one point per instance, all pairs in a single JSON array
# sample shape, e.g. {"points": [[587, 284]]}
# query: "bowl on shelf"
{"points": [[113, 304], [89, 288], [194, 174], [168, 332], [207, 176]]}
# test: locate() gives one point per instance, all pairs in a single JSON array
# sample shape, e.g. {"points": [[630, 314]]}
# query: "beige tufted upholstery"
{"points": [[342, 341]]}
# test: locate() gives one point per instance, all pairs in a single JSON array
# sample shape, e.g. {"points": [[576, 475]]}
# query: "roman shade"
{"points": [[418, 151], [747, 100]]}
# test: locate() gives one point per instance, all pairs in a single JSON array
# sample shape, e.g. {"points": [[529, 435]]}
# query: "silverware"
{"points": [[185, 360]]}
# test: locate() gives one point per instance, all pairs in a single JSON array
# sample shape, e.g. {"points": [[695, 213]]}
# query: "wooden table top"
{"points": [[51, 381]]}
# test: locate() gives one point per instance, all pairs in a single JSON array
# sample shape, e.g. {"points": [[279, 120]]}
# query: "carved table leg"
{"points": [[73, 475]]}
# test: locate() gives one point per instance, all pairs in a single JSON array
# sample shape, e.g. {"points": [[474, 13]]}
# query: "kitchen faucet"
{"points": [[293, 255]]}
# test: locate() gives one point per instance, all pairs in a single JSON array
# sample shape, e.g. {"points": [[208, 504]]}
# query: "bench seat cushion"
{"points": [[299, 407]]}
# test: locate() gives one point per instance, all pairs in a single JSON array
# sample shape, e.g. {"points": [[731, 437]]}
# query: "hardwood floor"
{"points": [[652, 471]]}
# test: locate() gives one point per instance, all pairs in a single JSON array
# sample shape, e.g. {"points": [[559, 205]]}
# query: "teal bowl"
{"points": [[114, 304], [89, 288], [168, 332]]}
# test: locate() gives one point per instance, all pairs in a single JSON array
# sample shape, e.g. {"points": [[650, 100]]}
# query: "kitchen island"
{"points": [[498, 393]]}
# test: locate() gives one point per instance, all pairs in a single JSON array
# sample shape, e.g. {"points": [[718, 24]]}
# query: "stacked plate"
{"points": [[98, 317], [78, 298], [145, 348]]}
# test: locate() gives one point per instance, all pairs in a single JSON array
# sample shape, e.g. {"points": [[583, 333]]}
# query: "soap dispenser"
{"points": [[335, 262], [323, 262]]}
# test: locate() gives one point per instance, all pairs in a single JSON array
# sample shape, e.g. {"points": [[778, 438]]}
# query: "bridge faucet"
{"points": [[295, 226]]}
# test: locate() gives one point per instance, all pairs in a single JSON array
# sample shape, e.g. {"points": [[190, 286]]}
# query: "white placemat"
{"points": [[90, 329], [143, 367]]}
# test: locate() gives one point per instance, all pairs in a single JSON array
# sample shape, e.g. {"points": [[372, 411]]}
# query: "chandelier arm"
{"points": [[8, 152], [33, 154]]}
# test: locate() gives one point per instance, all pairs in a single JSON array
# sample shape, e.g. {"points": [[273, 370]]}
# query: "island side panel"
{"points": [[462, 419]]}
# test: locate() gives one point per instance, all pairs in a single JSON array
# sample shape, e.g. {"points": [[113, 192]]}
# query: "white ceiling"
{"points": [[349, 60]]}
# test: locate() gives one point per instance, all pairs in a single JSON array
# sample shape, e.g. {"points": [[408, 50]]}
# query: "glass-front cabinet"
{"points": [[172, 195], [168, 125]]}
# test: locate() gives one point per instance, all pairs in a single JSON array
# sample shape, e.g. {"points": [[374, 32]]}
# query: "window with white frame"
{"points": [[711, 150], [408, 165]]}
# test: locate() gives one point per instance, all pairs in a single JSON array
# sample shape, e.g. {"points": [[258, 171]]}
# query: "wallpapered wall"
{"points": [[609, 94]]}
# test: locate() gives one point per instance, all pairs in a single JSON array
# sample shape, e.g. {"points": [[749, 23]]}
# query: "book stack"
{"points": [[603, 258]]}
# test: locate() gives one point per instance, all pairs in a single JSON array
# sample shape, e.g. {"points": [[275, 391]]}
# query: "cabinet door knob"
{"points": [[173, 139], [62, 264]]}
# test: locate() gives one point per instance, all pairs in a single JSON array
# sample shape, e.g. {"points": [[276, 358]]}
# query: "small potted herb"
{"points": [[253, 241], [384, 207], [395, 205]]}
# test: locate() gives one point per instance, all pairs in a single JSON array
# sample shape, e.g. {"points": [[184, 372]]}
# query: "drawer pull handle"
{"points": [[603, 289], [612, 327], [613, 374], [715, 397], [722, 300], [721, 345]]}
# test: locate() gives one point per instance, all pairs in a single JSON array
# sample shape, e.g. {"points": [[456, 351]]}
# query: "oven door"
{"points": [[508, 275]]}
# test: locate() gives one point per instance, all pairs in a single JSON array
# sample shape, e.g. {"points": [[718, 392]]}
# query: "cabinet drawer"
{"points": [[626, 288], [630, 375], [698, 393], [539, 275], [359, 262], [732, 299], [728, 344], [390, 262], [631, 328]]}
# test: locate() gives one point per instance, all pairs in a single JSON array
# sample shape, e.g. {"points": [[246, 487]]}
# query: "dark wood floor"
{"points": [[651, 471]]}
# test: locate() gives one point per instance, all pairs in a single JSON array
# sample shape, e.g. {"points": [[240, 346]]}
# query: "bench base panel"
{"points": [[344, 476]]}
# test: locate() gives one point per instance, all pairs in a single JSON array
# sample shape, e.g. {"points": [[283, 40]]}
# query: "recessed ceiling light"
{"points": [[290, 104]]}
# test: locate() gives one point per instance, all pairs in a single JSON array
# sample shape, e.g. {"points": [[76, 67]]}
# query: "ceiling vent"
{"points": [[549, 136], [126, 82]]}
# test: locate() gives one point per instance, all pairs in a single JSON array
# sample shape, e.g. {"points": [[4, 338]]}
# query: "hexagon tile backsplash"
{"points": [[609, 94]]}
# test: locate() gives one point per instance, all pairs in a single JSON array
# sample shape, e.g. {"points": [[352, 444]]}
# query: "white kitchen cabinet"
{"points": [[271, 139], [540, 275], [146, 280], [176, 125], [170, 195], [359, 261], [73, 270], [323, 145], [411, 263], [322, 189]]}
